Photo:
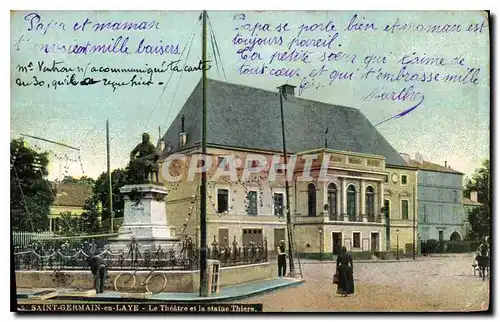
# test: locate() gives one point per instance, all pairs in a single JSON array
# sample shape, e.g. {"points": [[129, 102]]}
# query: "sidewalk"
{"points": [[228, 293]]}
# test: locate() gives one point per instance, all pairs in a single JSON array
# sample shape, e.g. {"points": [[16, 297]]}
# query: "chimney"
{"points": [[183, 135], [419, 158], [446, 164], [287, 90], [406, 157], [473, 195]]}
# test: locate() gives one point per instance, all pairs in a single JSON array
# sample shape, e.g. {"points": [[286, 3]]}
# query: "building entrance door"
{"points": [[375, 242], [336, 243]]}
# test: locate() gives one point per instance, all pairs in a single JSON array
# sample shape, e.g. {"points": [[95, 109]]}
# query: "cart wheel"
{"points": [[124, 282], [156, 283]]}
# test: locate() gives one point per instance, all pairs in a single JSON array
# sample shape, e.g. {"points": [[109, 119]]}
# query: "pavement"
{"points": [[228, 293], [401, 260], [434, 284]]}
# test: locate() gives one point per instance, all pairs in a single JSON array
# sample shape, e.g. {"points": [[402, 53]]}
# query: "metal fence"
{"points": [[23, 239], [184, 256]]}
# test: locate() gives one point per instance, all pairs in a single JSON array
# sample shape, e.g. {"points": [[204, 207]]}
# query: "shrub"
{"points": [[453, 246]]}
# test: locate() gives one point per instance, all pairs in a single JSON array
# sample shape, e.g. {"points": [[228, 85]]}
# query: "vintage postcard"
{"points": [[250, 161]]}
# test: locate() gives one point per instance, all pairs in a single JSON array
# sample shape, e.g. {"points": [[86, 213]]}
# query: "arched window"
{"points": [[370, 203], [351, 202], [311, 199], [332, 201]]}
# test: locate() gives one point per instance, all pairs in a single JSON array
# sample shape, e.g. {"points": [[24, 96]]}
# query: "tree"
{"points": [[480, 182], [71, 225], [30, 193], [83, 179], [480, 217], [90, 218], [119, 178]]}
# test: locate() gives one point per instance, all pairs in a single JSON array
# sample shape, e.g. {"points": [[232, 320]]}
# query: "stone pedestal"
{"points": [[145, 218]]}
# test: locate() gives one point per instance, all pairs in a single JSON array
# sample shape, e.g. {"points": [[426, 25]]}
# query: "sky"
{"points": [[451, 124]]}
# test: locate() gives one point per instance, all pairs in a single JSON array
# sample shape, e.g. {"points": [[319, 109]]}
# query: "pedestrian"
{"points": [[281, 258], [344, 269], [99, 270], [482, 259]]}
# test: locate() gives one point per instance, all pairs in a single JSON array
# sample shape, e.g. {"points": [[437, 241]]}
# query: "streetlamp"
{"points": [[320, 230], [397, 244]]}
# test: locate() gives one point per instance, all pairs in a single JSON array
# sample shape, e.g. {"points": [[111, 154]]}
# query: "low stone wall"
{"points": [[247, 273], [177, 281]]}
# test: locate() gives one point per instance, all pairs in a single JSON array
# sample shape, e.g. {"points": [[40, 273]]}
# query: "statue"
{"points": [[143, 159]]}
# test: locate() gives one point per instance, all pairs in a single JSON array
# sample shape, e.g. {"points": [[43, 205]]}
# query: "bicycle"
{"points": [[153, 283]]}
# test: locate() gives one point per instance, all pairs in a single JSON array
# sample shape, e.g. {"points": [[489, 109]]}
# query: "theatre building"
{"points": [[342, 209]]}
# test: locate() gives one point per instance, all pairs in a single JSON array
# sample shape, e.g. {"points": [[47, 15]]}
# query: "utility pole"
{"points": [[110, 191], [203, 188], [287, 187], [414, 213]]}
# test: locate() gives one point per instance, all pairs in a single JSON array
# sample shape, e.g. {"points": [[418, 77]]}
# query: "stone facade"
{"points": [[440, 204], [400, 204], [183, 207], [340, 204], [354, 186]]}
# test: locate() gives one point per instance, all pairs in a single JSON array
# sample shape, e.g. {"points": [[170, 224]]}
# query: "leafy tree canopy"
{"points": [[480, 217], [30, 192]]}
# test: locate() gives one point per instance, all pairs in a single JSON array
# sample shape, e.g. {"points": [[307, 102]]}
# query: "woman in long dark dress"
{"points": [[345, 284]]}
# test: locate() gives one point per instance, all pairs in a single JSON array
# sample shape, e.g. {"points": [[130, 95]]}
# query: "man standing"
{"points": [[98, 269], [482, 259], [281, 258]]}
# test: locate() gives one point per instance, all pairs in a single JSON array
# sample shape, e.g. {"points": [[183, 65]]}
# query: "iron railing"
{"points": [[183, 256]]}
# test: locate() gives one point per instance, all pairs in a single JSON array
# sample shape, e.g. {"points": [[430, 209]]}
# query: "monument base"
{"points": [[145, 218]]}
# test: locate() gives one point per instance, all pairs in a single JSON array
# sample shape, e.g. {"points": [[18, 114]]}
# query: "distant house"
{"points": [[70, 197], [439, 195]]}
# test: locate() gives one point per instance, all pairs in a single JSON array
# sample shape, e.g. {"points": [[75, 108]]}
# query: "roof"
{"points": [[468, 202], [247, 117], [71, 194], [425, 165]]}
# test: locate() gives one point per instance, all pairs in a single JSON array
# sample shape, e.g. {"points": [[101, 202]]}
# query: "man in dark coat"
{"points": [[344, 269], [281, 258], [482, 259], [98, 269]]}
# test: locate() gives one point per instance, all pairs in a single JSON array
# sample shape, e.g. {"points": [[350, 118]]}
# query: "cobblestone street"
{"points": [[427, 284]]}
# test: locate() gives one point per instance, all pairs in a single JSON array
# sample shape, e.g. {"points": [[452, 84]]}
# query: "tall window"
{"points": [[425, 214], [404, 209], [252, 208], [404, 179], [387, 209], [311, 199], [455, 196], [351, 202], [332, 201], [356, 240], [222, 200], [278, 204], [370, 202]]}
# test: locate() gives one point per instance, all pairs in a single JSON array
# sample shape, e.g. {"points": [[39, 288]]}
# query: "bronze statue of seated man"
{"points": [[143, 158]]}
